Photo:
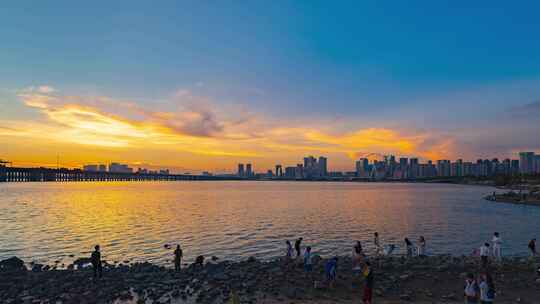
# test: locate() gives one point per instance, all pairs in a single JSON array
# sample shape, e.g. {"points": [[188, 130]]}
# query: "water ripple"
{"points": [[133, 221]]}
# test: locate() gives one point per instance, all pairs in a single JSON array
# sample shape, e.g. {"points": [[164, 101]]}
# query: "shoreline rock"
{"points": [[432, 279]]}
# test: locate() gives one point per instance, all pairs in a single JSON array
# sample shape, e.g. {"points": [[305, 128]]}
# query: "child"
{"points": [[471, 290], [487, 289], [484, 252]]}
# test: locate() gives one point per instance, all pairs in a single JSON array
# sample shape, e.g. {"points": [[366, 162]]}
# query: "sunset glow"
{"points": [[191, 95]]}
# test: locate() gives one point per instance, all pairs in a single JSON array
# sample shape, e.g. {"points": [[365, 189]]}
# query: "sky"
{"points": [[204, 85]]}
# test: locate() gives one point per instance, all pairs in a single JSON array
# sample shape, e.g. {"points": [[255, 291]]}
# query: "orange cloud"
{"points": [[197, 129]]}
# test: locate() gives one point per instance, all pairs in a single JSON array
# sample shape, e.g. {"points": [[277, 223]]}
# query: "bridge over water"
{"points": [[16, 174]]}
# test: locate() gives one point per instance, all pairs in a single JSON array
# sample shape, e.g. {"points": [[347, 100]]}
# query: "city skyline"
{"points": [[159, 86], [527, 162]]}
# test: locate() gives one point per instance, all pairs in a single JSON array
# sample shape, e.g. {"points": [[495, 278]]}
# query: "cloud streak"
{"points": [[200, 129]]}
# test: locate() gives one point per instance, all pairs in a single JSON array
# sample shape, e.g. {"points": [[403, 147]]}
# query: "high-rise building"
{"points": [[299, 172], [507, 166], [467, 169], [290, 172], [241, 171], [537, 164], [526, 162], [443, 168], [311, 168], [458, 168], [515, 166], [249, 170], [279, 171], [403, 162], [119, 168], [362, 167], [323, 169], [90, 168], [413, 167]]}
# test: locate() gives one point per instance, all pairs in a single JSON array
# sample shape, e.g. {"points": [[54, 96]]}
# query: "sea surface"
{"points": [[48, 222]]}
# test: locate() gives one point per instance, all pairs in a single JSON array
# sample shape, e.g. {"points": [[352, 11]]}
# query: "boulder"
{"points": [[81, 262], [12, 264], [37, 267]]}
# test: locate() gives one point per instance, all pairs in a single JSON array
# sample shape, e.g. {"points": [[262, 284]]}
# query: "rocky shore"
{"points": [[436, 279]]}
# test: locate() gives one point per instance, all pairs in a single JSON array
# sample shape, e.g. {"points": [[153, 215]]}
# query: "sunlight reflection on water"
{"points": [[45, 222]]}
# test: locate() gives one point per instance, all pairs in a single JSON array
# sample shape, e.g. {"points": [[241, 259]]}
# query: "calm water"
{"points": [[45, 222]]}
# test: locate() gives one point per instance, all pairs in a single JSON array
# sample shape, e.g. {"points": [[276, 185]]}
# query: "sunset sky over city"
{"points": [[204, 85]]}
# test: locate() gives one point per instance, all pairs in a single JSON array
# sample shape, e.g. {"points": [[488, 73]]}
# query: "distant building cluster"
{"points": [[121, 168], [402, 168], [312, 168], [245, 171]]}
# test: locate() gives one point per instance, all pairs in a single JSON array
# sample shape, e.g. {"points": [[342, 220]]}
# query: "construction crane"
{"points": [[5, 162]]}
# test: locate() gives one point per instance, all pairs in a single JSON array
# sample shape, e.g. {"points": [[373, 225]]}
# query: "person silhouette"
{"points": [[95, 259], [297, 247], [177, 258]]}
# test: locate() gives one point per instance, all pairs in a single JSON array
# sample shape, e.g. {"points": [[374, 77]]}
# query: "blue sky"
{"points": [[414, 65]]}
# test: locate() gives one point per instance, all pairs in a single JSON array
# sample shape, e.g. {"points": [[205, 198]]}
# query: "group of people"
{"points": [[480, 289], [418, 250], [477, 289], [495, 252], [360, 263]]}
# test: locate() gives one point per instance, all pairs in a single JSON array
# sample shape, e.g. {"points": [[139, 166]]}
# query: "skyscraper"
{"points": [[537, 163], [323, 169], [311, 168], [279, 171], [414, 168], [362, 167], [241, 170], [526, 162], [249, 171]]}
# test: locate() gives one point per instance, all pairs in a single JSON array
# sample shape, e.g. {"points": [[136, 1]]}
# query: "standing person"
{"points": [[471, 290], [368, 283], [497, 242], [421, 247], [532, 247], [177, 258], [308, 260], [297, 245], [95, 259], [357, 255], [331, 270], [487, 289], [409, 246], [289, 253], [484, 253], [377, 243], [358, 248]]}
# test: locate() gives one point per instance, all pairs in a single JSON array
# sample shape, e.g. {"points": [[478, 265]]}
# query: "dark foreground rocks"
{"points": [[437, 279]]}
